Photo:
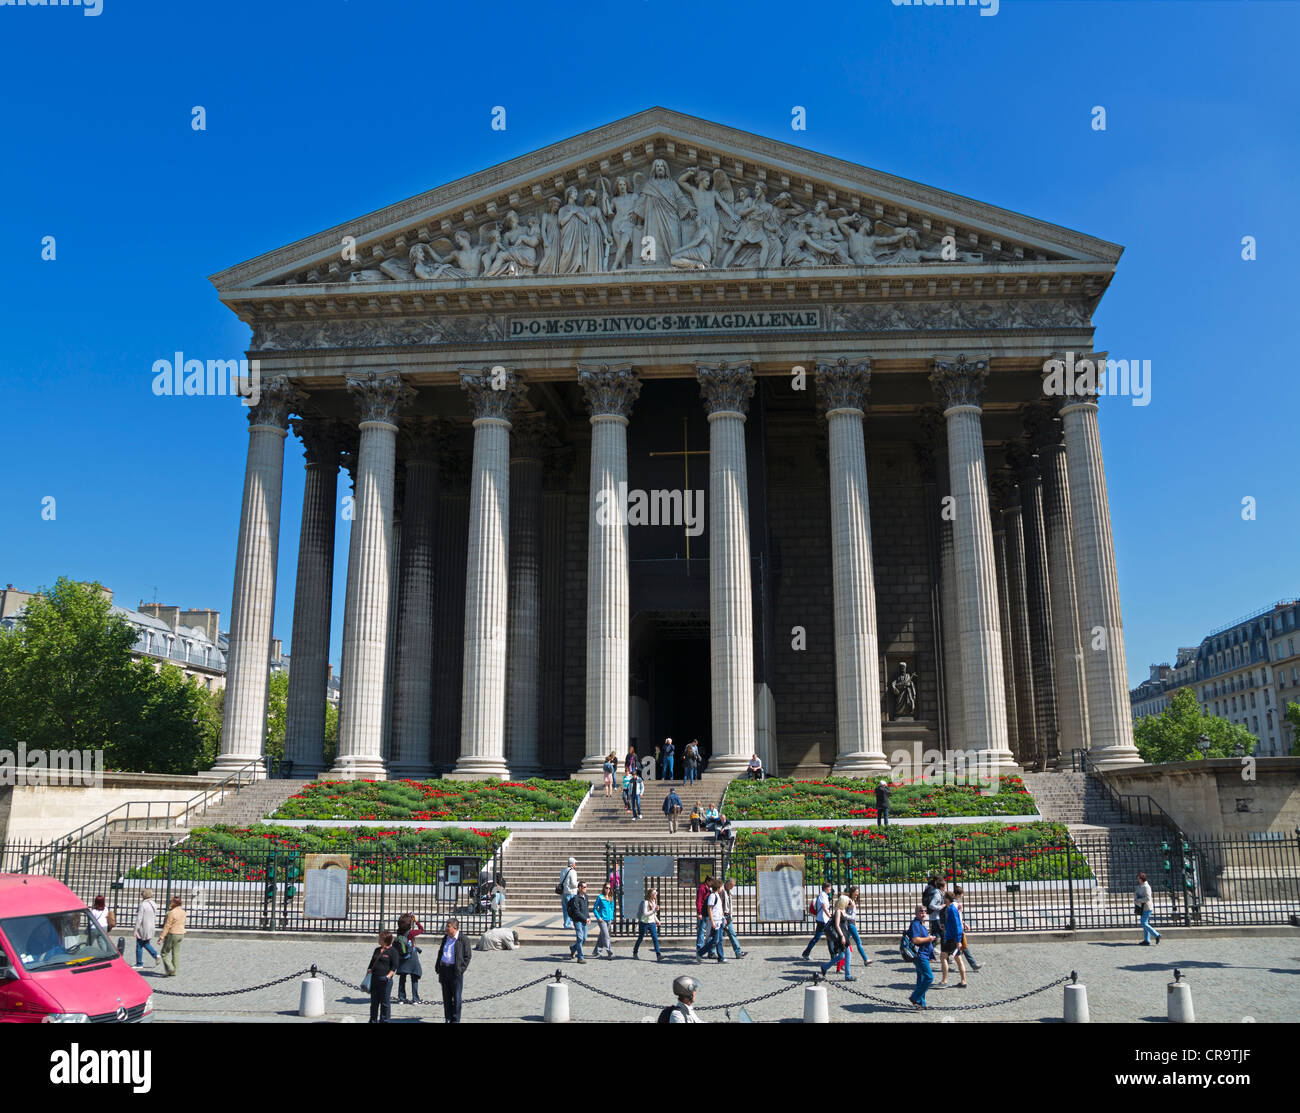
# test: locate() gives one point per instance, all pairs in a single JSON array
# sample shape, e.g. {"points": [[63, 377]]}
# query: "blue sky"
{"points": [[319, 113]]}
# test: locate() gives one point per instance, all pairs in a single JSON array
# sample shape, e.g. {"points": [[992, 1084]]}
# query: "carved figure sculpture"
{"points": [[904, 688], [662, 206], [625, 224]]}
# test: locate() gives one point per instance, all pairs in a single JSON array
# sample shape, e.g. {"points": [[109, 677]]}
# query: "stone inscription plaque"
{"points": [[654, 324]]}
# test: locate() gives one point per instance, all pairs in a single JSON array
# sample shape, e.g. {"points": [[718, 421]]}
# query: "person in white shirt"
{"points": [[1145, 907], [823, 917], [569, 888], [755, 768], [682, 1013]]}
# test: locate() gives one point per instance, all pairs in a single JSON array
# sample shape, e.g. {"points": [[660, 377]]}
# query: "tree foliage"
{"points": [[1173, 735], [1292, 716]]}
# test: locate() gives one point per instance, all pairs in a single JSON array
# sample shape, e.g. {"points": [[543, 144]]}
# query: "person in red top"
{"points": [[702, 926]]}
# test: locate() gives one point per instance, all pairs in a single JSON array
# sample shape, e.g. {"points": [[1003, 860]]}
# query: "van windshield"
{"points": [[57, 939]]}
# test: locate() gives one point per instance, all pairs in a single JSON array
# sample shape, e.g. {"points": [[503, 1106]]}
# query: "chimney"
{"points": [[170, 615], [208, 621]]}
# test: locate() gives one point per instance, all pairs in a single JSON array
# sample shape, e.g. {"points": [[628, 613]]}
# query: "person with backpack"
{"points": [[920, 943], [932, 896], [716, 915], [408, 962], [608, 768], [692, 759], [837, 941], [965, 934], [668, 759], [604, 914], [684, 989], [820, 910], [882, 803], [702, 920], [578, 913], [951, 946], [672, 809], [647, 920], [567, 889]]}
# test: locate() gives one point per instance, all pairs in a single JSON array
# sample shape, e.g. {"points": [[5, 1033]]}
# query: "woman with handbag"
{"points": [[408, 964], [379, 978], [647, 916], [1143, 906]]}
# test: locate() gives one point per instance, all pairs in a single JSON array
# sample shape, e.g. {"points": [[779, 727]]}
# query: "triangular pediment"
{"points": [[664, 193]]}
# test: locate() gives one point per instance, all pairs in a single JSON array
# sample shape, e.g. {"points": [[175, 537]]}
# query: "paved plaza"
{"points": [[1232, 978]]}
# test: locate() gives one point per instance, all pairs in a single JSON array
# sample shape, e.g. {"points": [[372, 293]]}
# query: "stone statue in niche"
{"points": [[903, 687]]}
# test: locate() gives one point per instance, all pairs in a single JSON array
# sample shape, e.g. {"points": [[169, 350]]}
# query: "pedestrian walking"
{"points": [[965, 930], [103, 914], [579, 914], [684, 989], [820, 909], [951, 946], [932, 896], [851, 924], [647, 920], [608, 769], [146, 923], [837, 941], [627, 791], [702, 921], [692, 761], [882, 803], [450, 966], [638, 790], [715, 919], [672, 809], [1143, 906], [603, 913], [669, 751], [633, 762], [923, 941], [408, 964], [568, 888], [383, 965], [727, 887], [173, 935]]}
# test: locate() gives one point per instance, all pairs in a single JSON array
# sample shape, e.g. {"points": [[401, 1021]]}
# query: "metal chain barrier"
{"points": [[701, 1008], [948, 1008], [233, 992]]}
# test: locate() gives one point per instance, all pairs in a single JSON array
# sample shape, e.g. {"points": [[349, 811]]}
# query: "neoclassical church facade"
{"points": [[674, 430]]}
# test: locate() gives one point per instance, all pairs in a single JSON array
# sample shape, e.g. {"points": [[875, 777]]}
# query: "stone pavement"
{"points": [[1257, 977]]}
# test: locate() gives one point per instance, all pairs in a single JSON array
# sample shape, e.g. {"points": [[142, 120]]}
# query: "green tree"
{"points": [[331, 733], [1293, 717], [1173, 735], [277, 708]]}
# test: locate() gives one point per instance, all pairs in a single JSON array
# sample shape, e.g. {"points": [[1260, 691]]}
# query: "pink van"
{"points": [[56, 963]]}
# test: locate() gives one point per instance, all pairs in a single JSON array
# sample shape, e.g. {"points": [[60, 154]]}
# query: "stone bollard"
{"points": [[556, 1010], [1076, 1001], [1179, 1001], [815, 1007], [311, 998]]}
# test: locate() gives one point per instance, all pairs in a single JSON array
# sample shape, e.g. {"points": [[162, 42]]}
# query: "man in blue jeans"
{"points": [[579, 913], [667, 754], [923, 941]]}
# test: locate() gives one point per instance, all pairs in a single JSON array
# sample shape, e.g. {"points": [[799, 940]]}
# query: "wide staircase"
{"points": [[1115, 850], [534, 861]]}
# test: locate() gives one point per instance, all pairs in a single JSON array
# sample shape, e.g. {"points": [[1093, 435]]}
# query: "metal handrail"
{"points": [[245, 774], [1127, 804]]}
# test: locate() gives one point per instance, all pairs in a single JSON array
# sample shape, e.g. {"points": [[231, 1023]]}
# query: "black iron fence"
{"points": [[268, 889], [1072, 884]]}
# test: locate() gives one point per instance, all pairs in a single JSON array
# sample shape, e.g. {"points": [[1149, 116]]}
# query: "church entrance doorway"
{"points": [[673, 661]]}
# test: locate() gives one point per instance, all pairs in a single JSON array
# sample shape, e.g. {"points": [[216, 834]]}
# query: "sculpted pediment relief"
{"points": [[662, 192]]}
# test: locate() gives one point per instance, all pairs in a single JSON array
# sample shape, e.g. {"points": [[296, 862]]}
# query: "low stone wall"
{"points": [[1221, 798], [45, 812]]}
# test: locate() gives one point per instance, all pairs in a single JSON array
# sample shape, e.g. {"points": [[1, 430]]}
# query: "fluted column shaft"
{"points": [[610, 393], [523, 646], [1022, 705], [983, 696], [304, 730], [252, 610], [1041, 643], [936, 432], [1004, 623], [1110, 721], [1070, 680], [860, 747], [368, 603], [483, 699], [413, 694], [727, 389]]}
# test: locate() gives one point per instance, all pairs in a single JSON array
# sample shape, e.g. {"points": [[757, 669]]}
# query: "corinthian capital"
{"points": [[493, 392], [609, 391], [277, 399], [959, 381], [532, 437], [725, 387], [380, 396], [1041, 426], [420, 438], [844, 385], [322, 438]]}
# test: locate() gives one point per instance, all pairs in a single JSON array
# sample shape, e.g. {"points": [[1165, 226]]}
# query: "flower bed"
{"points": [[472, 801], [873, 855], [240, 854], [843, 798]]}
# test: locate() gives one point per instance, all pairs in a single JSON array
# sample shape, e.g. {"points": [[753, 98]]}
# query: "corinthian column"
{"points": [[843, 389], [999, 487], [727, 389], [1021, 702], [960, 383], [248, 660], [1110, 721], [421, 440], [935, 431], [1070, 682], [610, 394], [366, 609], [529, 441], [304, 730], [494, 395]]}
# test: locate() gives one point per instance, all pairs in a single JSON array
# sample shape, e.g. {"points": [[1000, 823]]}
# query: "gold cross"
{"points": [[686, 453]]}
